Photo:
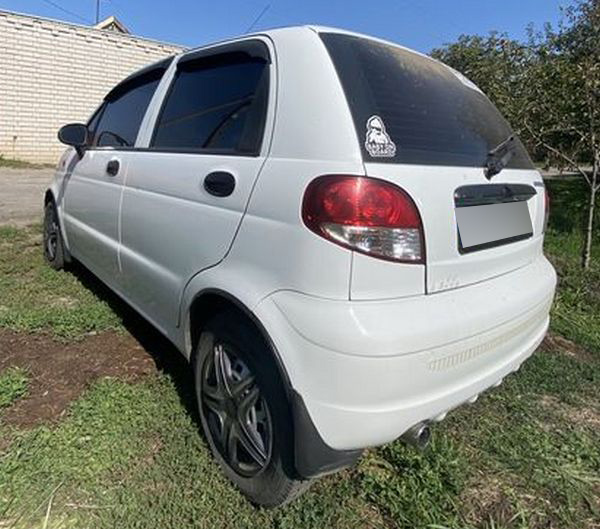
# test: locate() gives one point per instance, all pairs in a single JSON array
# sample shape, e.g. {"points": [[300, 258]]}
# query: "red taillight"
{"points": [[546, 208], [365, 214]]}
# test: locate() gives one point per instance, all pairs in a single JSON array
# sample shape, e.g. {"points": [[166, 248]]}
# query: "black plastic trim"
{"points": [[219, 183], [175, 150], [483, 194], [235, 51], [313, 456], [149, 73], [492, 244]]}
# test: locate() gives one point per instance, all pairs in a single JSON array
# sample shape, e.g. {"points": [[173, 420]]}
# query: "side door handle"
{"points": [[219, 183], [112, 167]]}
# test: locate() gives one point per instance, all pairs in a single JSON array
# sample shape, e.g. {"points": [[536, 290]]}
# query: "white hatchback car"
{"points": [[343, 236]]}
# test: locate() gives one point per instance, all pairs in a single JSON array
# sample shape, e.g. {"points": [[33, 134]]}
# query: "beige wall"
{"points": [[52, 73]]}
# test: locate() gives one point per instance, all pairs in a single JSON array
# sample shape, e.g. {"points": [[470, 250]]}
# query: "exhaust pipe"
{"points": [[417, 436]]}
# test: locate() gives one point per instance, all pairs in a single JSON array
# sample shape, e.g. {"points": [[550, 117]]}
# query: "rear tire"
{"points": [[245, 412], [54, 248]]}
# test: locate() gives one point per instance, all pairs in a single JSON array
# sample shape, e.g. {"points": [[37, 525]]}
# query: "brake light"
{"points": [[366, 215], [546, 208]]}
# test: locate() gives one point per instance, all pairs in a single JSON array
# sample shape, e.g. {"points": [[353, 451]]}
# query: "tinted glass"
{"points": [[93, 123], [122, 116], [431, 114], [219, 105]]}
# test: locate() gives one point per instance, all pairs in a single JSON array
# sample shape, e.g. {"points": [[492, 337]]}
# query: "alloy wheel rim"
{"points": [[237, 414]]}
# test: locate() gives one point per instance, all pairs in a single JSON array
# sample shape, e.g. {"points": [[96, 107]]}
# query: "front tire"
{"points": [[244, 411], [54, 248]]}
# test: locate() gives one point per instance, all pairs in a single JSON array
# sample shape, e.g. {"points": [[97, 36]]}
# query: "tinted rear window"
{"points": [[411, 109], [217, 104]]}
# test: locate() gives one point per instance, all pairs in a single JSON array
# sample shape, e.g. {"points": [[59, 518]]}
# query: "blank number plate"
{"points": [[491, 225]]}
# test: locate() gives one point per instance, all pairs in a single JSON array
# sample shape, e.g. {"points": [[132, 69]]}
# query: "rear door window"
{"points": [[408, 108], [217, 104]]}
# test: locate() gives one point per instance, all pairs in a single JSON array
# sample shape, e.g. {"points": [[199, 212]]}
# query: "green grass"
{"points": [[130, 455], [526, 455], [576, 311], [13, 385], [33, 297], [21, 164]]}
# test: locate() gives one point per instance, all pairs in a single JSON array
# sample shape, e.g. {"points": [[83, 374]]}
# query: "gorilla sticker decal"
{"points": [[378, 143]]}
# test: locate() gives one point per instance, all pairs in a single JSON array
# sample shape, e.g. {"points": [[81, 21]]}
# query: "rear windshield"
{"points": [[410, 109]]}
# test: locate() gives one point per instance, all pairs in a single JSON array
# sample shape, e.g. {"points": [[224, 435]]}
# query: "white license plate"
{"points": [[493, 224]]}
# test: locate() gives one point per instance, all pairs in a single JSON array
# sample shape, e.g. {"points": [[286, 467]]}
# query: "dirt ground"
{"points": [[60, 372], [22, 195]]}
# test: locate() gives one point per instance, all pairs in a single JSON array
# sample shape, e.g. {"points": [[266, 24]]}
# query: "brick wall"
{"points": [[52, 73]]}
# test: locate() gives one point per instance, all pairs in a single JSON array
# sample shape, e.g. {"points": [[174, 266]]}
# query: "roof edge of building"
{"points": [[92, 28]]}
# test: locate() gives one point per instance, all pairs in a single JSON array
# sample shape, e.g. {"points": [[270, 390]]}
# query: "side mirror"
{"points": [[75, 135]]}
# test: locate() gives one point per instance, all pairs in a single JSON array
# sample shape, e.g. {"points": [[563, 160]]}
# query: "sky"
{"points": [[418, 24]]}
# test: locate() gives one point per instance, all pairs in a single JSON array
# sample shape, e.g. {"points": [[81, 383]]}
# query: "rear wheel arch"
{"points": [[207, 303], [312, 456]]}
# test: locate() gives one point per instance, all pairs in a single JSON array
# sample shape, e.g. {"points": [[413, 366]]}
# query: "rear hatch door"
{"points": [[466, 244], [428, 129]]}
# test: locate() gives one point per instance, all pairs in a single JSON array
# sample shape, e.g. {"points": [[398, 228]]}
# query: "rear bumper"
{"points": [[367, 371]]}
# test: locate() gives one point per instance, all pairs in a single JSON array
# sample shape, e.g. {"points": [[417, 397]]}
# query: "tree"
{"points": [[561, 111], [495, 63], [549, 89]]}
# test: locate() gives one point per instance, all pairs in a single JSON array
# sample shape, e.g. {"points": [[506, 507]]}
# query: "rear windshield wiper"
{"points": [[498, 158]]}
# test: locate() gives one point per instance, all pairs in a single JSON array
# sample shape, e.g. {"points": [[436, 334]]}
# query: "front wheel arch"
{"points": [[49, 198]]}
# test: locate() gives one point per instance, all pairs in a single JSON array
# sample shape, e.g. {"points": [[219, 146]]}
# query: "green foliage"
{"points": [[563, 87], [13, 385], [405, 484]]}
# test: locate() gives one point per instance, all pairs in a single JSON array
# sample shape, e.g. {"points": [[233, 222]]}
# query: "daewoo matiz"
{"points": [[343, 236]]}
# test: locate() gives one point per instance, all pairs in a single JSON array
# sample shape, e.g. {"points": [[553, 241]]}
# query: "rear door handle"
{"points": [[219, 183], [112, 167]]}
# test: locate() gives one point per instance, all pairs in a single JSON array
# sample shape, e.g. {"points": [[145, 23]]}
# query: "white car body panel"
{"points": [[379, 367], [91, 211], [357, 336], [161, 251]]}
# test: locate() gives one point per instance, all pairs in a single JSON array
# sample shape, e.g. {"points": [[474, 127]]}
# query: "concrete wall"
{"points": [[52, 73]]}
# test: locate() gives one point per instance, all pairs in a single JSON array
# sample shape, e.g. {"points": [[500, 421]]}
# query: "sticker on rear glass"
{"points": [[378, 142]]}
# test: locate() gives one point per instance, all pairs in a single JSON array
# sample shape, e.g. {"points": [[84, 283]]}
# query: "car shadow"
{"points": [[165, 355]]}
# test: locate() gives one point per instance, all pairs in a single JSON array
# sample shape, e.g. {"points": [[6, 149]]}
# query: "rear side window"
{"points": [[122, 114], [411, 109], [216, 104]]}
